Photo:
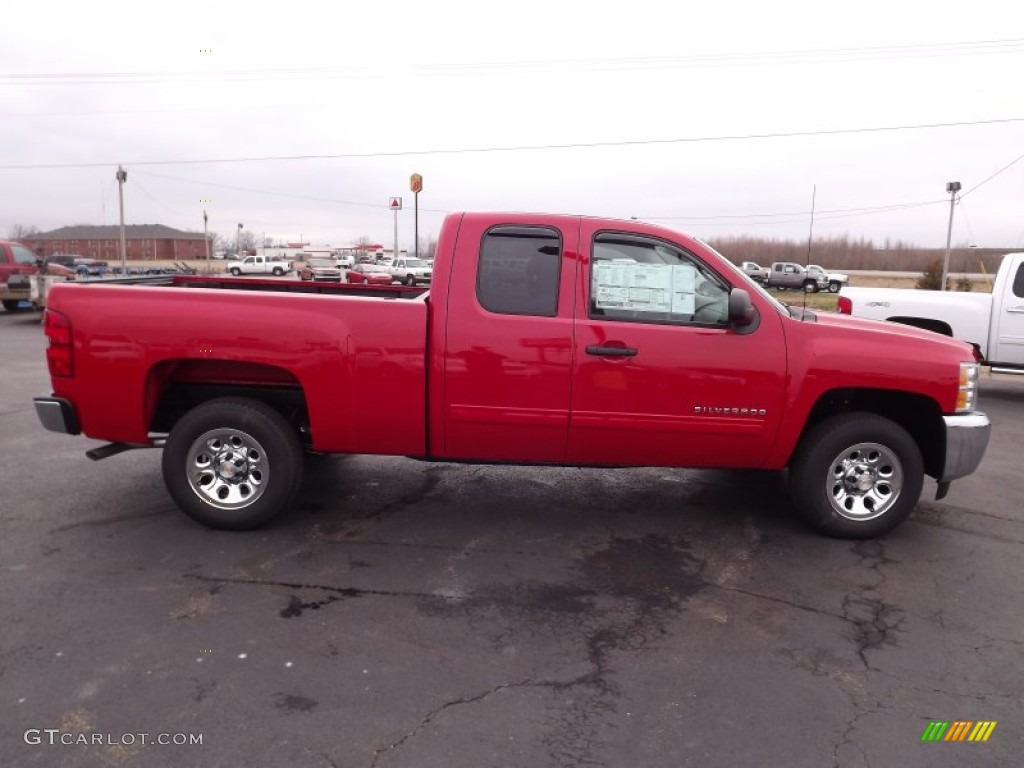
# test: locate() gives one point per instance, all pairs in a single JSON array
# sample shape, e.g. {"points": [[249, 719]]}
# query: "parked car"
{"points": [[260, 265], [547, 339], [993, 323], [320, 269], [834, 281], [370, 274], [789, 274], [754, 271], [79, 265], [411, 271]]}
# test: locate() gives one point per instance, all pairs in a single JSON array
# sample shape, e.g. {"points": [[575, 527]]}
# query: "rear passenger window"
{"points": [[1018, 283], [518, 271]]}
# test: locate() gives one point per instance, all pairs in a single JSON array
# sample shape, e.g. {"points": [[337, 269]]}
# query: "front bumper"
{"points": [[966, 440], [57, 415]]}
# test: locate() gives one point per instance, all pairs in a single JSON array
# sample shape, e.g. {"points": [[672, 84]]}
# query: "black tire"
{"points": [[834, 286], [856, 441], [272, 463], [810, 286], [12, 305], [235, 271], [278, 272], [410, 280]]}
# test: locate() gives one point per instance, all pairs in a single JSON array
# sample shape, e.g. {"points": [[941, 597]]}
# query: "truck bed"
{"points": [[353, 355]]}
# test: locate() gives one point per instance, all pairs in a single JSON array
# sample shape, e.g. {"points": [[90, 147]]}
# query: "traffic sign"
{"points": [[416, 183], [395, 203]]}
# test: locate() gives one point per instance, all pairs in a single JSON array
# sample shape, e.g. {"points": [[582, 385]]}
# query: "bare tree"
{"points": [[428, 247], [20, 231]]}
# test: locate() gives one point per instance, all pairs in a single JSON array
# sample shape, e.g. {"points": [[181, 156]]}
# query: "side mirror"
{"points": [[741, 309]]}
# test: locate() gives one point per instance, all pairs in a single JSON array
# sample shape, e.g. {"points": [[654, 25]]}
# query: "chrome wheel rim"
{"points": [[864, 481], [227, 468]]}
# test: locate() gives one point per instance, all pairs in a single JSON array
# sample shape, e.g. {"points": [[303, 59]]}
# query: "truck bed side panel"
{"points": [[359, 361]]}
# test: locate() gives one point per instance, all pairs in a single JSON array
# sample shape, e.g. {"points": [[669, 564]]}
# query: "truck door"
{"points": [[659, 376], [1008, 321], [508, 346]]}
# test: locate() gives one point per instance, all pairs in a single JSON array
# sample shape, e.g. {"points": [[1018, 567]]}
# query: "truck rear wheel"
{"points": [[232, 463], [856, 476]]}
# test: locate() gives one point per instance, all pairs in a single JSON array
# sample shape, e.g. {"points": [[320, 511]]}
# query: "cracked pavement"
{"points": [[407, 614]]}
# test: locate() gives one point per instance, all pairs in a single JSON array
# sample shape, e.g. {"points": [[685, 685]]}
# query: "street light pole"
{"points": [[952, 187], [238, 241], [122, 177]]}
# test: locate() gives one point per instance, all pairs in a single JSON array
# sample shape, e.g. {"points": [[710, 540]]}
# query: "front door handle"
{"points": [[595, 349], [1016, 310]]}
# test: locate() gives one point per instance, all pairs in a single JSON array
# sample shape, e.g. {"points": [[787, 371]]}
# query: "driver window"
{"points": [[641, 279]]}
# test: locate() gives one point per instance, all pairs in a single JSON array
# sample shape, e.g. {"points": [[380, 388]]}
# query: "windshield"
{"points": [[752, 286], [416, 263], [372, 268], [322, 263]]}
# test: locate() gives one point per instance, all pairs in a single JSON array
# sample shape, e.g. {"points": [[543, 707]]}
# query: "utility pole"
{"points": [[122, 177], [238, 241], [952, 187]]}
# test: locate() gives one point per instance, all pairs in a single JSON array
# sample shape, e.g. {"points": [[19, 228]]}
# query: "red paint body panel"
{"points": [[354, 357], [477, 385], [642, 409]]}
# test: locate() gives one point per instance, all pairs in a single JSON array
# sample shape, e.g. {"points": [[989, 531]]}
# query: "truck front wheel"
{"points": [[834, 286], [410, 280], [236, 271], [856, 476], [232, 463], [810, 286]]}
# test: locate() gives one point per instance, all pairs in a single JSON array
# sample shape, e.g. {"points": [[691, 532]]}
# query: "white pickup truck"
{"points": [[261, 265], [834, 280], [411, 271], [993, 323]]}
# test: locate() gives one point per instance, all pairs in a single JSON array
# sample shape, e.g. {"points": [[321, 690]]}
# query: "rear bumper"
{"points": [[966, 440], [57, 415]]}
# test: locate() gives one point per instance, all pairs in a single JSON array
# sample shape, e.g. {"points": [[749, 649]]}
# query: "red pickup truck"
{"points": [[543, 340]]}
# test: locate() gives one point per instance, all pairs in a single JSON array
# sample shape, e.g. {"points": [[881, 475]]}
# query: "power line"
{"points": [[986, 181], [523, 148], [746, 58], [332, 201]]}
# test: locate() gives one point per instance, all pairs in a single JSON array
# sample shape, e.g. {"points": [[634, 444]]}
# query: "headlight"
{"points": [[967, 393]]}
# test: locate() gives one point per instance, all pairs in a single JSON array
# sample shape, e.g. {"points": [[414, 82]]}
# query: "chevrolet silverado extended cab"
{"points": [[544, 340], [992, 322]]}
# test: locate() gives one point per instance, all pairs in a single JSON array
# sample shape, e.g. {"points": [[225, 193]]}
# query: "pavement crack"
{"points": [[437, 711]]}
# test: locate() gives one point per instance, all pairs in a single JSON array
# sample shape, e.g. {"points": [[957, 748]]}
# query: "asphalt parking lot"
{"points": [[407, 614]]}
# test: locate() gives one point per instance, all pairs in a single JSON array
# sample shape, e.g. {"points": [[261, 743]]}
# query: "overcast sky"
{"points": [[669, 92]]}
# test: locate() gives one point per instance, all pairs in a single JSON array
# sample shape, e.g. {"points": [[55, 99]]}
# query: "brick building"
{"points": [[144, 242]]}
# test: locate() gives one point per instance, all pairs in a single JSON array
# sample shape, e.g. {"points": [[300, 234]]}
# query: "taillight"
{"points": [[59, 355], [845, 306]]}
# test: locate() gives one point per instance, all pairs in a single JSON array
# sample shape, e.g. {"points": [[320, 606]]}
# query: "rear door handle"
{"points": [[594, 349], [1016, 310]]}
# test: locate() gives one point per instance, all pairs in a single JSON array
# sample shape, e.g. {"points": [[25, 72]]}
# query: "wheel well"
{"points": [[176, 387], [936, 326], [919, 415]]}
